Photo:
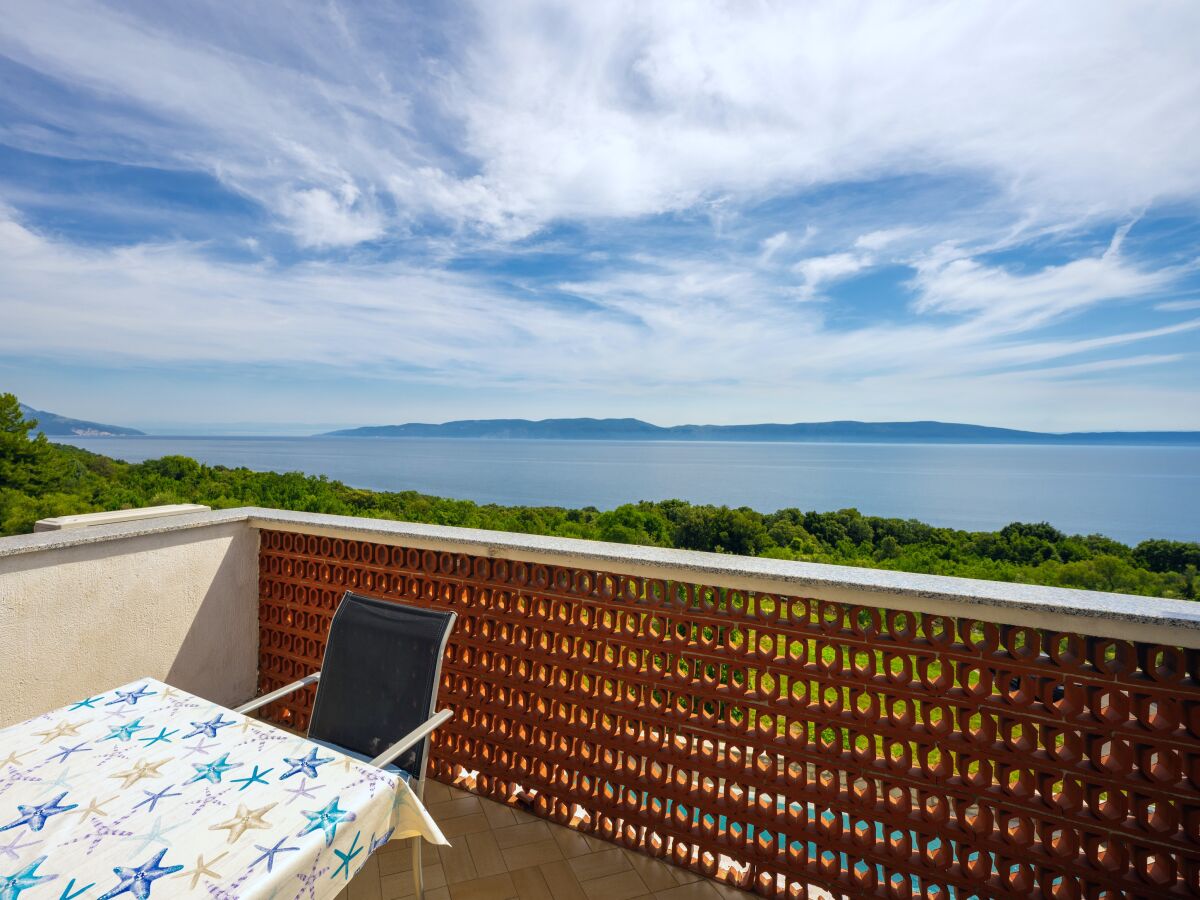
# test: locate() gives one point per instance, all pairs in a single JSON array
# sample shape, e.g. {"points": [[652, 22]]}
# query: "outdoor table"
{"points": [[150, 791]]}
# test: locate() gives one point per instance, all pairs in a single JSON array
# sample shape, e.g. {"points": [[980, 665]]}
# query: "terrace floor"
{"points": [[501, 853]]}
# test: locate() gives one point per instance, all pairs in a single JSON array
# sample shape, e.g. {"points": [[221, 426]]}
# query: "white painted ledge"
{"points": [[116, 517], [1094, 613]]}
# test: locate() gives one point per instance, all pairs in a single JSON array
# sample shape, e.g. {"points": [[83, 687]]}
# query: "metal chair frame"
{"points": [[410, 740]]}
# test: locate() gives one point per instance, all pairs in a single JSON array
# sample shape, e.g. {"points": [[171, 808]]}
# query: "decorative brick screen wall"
{"points": [[778, 741]]}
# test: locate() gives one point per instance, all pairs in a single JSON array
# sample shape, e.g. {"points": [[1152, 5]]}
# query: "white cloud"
{"points": [[544, 111], [877, 240], [320, 219], [347, 129], [1002, 300], [772, 245], [667, 338], [821, 270]]}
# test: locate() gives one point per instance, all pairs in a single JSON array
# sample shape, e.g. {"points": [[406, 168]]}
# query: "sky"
{"points": [[276, 216]]}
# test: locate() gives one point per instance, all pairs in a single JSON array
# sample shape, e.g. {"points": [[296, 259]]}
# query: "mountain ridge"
{"points": [[54, 425], [834, 431]]}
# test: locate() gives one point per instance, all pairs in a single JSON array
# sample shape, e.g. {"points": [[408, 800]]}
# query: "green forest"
{"points": [[39, 479]]}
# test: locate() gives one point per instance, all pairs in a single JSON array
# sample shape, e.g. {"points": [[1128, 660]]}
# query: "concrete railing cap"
{"points": [[117, 516]]}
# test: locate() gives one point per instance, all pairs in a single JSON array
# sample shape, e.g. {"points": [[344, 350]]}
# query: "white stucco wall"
{"points": [[180, 606]]}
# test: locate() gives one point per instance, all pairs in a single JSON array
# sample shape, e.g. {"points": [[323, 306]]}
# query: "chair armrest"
{"points": [[411, 739], [275, 695]]}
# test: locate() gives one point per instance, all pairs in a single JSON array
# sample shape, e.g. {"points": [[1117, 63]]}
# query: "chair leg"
{"points": [[418, 788]]}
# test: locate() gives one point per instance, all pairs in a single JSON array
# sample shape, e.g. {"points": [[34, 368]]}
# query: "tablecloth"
{"points": [[148, 791]]}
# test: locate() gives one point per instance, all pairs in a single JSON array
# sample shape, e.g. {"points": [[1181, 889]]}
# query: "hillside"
{"points": [[39, 479], [53, 424], [637, 430]]}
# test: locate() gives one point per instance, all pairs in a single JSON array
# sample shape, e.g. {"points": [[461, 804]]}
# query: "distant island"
{"points": [[54, 425], [637, 430]]}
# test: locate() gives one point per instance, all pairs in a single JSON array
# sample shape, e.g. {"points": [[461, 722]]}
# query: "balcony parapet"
{"points": [[772, 724], [1096, 613], [780, 726]]}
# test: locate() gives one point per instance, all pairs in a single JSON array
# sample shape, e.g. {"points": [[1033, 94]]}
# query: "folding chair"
{"points": [[377, 687]]}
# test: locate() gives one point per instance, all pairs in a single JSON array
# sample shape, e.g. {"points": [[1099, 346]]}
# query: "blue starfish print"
{"points": [[69, 892], [212, 771], [306, 764], [138, 881], [154, 835], [201, 748], [125, 732], [163, 736], [256, 777], [64, 752], [309, 882], [11, 848], [99, 832], [268, 853], [303, 791], [346, 857], [327, 820], [35, 816], [90, 703], [376, 844], [209, 728], [131, 697], [210, 798], [12, 885], [153, 798], [63, 781]]}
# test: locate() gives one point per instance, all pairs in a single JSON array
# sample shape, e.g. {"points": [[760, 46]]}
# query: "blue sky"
{"points": [[351, 213]]}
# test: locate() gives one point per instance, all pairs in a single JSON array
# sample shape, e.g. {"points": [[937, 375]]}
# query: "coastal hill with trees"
{"points": [[40, 479]]}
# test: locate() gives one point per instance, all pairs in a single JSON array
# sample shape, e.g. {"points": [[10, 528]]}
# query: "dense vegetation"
{"points": [[40, 479]]}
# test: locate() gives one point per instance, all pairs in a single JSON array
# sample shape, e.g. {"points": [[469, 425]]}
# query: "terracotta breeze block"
{"points": [[775, 742]]}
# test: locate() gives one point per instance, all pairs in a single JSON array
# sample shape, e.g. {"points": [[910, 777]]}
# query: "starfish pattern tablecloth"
{"points": [[148, 791]]}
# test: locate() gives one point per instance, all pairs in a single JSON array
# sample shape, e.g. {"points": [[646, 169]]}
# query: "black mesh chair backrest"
{"points": [[378, 677]]}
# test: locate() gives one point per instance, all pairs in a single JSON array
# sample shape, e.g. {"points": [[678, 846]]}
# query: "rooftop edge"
{"points": [[1112, 615]]}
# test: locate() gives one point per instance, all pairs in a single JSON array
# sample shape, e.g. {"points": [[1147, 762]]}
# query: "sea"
{"points": [[1129, 493]]}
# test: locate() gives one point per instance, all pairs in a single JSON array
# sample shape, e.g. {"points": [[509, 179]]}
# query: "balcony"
{"points": [[632, 721]]}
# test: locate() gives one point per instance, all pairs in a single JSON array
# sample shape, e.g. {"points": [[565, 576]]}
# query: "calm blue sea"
{"points": [[1128, 493]]}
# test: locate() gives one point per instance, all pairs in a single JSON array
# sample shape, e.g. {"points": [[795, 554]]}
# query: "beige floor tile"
{"points": [[596, 844], [456, 861], [492, 887], [461, 825], [656, 874], [696, 890], [395, 857], [401, 885], [597, 865], [527, 833], [501, 852], [435, 791], [621, 886], [571, 842], [485, 853], [726, 892], [498, 815], [523, 856], [562, 881], [450, 809], [684, 876], [531, 885], [365, 885]]}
